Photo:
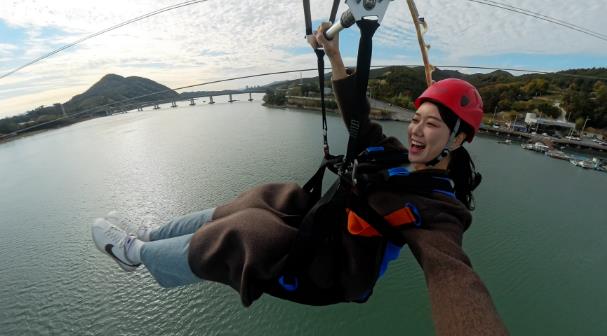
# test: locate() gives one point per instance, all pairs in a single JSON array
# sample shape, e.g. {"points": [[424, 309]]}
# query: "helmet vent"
{"points": [[464, 101]]}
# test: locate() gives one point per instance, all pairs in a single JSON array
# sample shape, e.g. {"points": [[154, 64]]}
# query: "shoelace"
{"points": [[116, 235]]}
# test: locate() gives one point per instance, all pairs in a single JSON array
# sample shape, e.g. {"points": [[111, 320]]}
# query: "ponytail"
{"points": [[462, 171]]}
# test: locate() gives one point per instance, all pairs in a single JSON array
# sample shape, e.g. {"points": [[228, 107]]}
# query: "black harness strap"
{"points": [[363, 64], [308, 17], [334, 11], [320, 54]]}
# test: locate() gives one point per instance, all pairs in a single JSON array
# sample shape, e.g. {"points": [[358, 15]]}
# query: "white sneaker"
{"points": [[141, 231], [117, 219], [113, 241], [148, 224]]}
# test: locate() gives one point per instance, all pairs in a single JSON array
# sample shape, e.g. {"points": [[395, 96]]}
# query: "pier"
{"points": [[584, 144]]}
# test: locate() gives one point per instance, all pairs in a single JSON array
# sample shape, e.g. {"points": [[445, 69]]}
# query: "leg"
{"points": [[167, 261], [180, 226]]}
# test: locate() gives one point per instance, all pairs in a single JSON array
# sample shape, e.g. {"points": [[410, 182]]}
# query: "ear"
{"points": [[459, 139]]}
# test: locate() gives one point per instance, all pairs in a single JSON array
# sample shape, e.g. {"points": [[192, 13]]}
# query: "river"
{"points": [[537, 240]]}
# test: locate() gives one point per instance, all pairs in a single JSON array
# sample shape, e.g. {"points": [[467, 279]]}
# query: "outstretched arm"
{"points": [[461, 304]]}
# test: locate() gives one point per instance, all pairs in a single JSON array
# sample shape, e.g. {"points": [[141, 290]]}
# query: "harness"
{"points": [[308, 273]]}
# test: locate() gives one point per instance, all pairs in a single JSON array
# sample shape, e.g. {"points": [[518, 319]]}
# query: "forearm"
{"points": [[337, 66], [461, 304]]}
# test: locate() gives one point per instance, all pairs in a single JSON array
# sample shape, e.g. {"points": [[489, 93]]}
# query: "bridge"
{"points": [[191, 97]]}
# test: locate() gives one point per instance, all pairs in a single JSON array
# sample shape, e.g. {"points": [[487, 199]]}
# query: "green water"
{"points": [[538, 238]]}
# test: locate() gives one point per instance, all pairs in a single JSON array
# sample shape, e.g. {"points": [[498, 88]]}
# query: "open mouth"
{"points": [[417, 145]]}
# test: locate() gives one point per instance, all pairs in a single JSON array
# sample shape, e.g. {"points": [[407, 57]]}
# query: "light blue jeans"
{"points": [[166, 254]]}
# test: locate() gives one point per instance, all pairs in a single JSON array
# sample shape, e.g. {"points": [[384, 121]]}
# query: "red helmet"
{"points": [[460, 97]]}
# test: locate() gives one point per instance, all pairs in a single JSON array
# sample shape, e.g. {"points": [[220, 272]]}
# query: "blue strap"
{"points": [[392, 252], [450, 194], [418, 217], [375, 149], [398, 171], [289, 287]]}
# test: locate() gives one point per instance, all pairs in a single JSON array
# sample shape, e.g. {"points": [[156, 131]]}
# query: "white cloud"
{"points": [[218, 39]]}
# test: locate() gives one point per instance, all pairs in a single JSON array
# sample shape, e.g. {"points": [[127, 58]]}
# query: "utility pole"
{"points": [[494, 113], [585, 121], [514, 123]]}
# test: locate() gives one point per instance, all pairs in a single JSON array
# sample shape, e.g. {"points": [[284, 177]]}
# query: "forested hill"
{"points": [[581, 93], [114, 88], [111, 92]]}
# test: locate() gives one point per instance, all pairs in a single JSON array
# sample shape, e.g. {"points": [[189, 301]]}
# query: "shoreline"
{"points": [[400, 115]]}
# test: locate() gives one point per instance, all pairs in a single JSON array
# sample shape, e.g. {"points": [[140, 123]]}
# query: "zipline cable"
{"points": [[139, 18], [543, 17], [547, 17], [191, 2]]}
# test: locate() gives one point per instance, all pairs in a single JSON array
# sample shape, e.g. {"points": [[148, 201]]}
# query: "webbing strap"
{"points": [[334, 11], [320, 54], [308, 17], [310, 233], [363, 64]]}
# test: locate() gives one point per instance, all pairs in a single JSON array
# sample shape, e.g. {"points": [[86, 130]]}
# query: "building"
{"points": [[548, 125]]}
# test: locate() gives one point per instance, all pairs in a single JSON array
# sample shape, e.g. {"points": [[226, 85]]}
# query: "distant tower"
{"points": [[211, 100], [192, 103], [231, 100], [60, 108], [250, 97], [173, 104]]}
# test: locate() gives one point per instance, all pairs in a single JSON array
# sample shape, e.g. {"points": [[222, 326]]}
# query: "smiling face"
{"points": [[427, 136]]}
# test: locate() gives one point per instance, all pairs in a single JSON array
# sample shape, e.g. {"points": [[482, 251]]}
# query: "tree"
{"points": [[8, 126], [536, 87], [548, 109], [275, 98]]}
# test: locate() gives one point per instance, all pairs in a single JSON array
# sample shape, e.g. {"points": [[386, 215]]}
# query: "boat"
{"points": [[588, 164], [538, 147], [527, 146], [505, 142], [557, 154]]}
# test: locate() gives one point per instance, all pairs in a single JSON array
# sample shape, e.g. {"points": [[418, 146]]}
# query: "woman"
{"points": [[245, 243]]}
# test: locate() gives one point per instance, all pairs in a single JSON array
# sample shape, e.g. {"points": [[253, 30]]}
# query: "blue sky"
{"points": [[219, 39]]}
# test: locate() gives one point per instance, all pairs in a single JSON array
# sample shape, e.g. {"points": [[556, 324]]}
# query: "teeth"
{"points": [[416, 143]]}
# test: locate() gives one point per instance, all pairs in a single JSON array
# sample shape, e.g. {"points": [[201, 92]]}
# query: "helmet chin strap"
{"points": [[445, 152]]}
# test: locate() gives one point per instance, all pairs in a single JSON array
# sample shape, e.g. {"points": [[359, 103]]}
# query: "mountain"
{"points": [[114, 88], [110, 93]]}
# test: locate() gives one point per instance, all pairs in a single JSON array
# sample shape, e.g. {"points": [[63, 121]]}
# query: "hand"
{"points": [[318, 39], [331, 48]]}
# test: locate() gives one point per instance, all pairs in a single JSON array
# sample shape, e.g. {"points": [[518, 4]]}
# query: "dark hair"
{"points": [[461, 169]]}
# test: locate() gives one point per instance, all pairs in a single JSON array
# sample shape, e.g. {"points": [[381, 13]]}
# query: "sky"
{"points": [[219, 39]]}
